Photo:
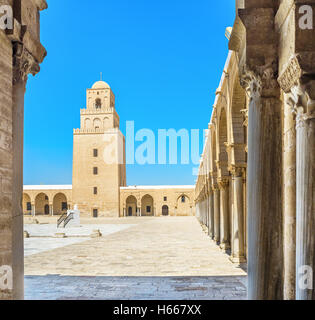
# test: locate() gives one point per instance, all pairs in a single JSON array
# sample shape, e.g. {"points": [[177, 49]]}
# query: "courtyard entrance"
{"points": [[135, 258]]}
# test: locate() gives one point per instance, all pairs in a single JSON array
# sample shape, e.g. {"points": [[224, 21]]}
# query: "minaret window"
{"points": [[98, 103], [95, 170]]}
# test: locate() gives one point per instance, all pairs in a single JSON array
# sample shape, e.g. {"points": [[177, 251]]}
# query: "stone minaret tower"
{"points": [[98, 155]]}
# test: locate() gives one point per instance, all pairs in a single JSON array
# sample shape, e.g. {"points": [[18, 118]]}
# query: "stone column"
{"points": [[299, 189], [201, 210], [21, 53], [264, 194], [204, 210], [33, 210], [305, 191], [11, 242], [224, 214], [211, 200], [211, 213], [216, 204], [207, 211], [238, 253], [51, 210], [289, 198], [19, 84]]}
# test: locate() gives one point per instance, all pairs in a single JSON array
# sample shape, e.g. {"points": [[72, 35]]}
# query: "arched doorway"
{"points": [[41, 204], [131, 206], [27, 205], [60, 204], [147, 206], [165, 211], [47, 209]]}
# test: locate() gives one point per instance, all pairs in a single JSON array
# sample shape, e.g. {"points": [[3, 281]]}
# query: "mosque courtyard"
{"points": [[134, 258]]}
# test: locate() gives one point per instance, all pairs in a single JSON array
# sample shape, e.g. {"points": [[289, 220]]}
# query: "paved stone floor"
{"points": [[54, 287], [150, 258], [42, 235]]}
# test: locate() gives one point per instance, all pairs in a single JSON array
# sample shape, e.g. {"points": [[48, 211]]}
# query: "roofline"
{"points": [[47, 187], [156, 187]]}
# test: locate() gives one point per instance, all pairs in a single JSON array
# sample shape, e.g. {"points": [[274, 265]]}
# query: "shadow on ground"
{"points": [[55, 287]]}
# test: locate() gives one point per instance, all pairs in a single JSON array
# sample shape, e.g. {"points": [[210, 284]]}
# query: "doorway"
{"points": [[165, 211]]}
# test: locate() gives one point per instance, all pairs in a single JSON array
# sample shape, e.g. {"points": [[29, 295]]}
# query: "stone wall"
{"points": [[139, 197], [20, 54]]}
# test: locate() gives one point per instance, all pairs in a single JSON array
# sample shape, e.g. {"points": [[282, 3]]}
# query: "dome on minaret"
{"points": [[100, 85]]}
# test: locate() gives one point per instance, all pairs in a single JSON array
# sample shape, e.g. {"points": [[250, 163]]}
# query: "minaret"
{"points": [[98, 155]]}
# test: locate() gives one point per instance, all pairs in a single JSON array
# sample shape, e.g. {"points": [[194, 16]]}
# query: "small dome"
{"points": [[100, 85]]}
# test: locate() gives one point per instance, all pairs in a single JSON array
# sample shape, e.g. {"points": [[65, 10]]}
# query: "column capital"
{"points": [[291, 75], [223, 183], [215, 186], [24, 63], [237, 171], [261, 81], [301, 98]]}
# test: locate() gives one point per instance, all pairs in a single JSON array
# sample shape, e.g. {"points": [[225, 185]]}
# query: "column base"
{"points": [[237, 260], [225, 247]]}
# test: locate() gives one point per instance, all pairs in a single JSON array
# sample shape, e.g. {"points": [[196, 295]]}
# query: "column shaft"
{"points": [[289, 201], [17, 210], [224, 216], [238, 254], [216, 202], [211, 218], [264, 198], [305, 213]]}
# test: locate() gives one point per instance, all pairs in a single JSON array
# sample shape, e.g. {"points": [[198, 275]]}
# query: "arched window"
{"points": [[97, 124], [183, 199], [98, 103]]}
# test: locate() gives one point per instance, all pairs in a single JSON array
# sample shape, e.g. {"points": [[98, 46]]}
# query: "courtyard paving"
{"points": [[137, 258]]}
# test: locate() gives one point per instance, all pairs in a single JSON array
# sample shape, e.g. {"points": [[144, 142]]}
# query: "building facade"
{"points": [[99, 173], [157, 201]]}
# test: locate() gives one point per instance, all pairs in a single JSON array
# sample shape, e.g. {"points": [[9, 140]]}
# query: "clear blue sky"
{"points": [[163, 60]]}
